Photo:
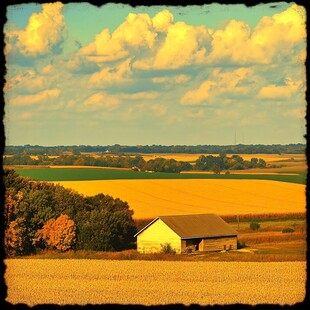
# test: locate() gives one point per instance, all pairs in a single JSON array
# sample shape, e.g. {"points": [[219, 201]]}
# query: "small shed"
{"points": [[198, 232]]}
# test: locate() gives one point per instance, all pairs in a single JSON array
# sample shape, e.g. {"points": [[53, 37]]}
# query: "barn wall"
{"points": [[150, 240], [218, 244]]}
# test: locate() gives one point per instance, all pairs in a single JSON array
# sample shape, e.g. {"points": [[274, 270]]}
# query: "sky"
{"points": [[78, 74]]}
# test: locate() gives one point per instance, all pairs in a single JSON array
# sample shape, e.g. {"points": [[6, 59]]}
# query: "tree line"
{"points": [[297, 148], [40, 216], [206, 163]]}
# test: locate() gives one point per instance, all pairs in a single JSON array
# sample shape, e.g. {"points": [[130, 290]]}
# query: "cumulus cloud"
{"points": [[161, 43], [272, 39], [116, 74], [284, 91], [219, 83], [27, 81], [43, 32], [45, 96], [101, 101], [162, 21], [136, 32], [184, 45]]}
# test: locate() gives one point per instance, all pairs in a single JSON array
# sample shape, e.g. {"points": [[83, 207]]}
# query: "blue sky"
{"points": [[79, 74]]}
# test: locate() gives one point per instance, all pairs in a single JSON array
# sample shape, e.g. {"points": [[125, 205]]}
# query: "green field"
{"points": [[83, 174]]}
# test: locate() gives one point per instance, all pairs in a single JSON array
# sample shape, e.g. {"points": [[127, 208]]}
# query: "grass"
{"points": [[76, 281], [83, 174]]}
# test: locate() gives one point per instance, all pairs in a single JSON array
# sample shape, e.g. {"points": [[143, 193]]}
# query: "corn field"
{"points": [[73, 281]]}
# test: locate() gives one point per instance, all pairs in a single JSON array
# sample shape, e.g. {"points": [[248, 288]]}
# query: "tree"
{"points": [[59, 234], [14, 238], [255, 226], [216, 169], [109, 225]]}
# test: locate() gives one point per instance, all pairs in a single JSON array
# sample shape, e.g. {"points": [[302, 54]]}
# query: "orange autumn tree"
{"points": [[14, 238], [59, 234]]}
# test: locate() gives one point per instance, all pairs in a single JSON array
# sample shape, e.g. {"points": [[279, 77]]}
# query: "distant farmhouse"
{"points": [[186, 233]]}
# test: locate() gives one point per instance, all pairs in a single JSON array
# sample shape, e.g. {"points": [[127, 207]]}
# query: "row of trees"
{"points": [[41, 215], [151, 149], [211, 163], [222, 162]]}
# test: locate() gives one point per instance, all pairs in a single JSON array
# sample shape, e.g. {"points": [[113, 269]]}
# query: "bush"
{"points": [[288, 230], [241, 245], [255, 226], [167, 249]]}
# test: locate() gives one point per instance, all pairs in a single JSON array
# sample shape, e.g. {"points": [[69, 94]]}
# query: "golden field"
{"points": [[74, 281], [151, 198]]}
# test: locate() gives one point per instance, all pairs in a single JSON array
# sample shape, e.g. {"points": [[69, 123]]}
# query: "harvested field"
{"points": [[67, 281], [150, 198]]}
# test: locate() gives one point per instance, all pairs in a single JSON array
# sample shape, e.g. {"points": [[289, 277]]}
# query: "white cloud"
{"points": [[184, 45], [136, 32], [108, 75], [219, 83], [273, 39], [43, 32], [285, 91], [27, 80], [45, 96], [101, 101]]}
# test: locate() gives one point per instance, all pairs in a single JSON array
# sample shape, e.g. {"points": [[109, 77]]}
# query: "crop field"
{"points": [[74, 281], [193, 157], [83, 174], [150, 198]]}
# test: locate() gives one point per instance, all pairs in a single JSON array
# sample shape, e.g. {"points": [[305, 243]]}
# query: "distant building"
{"points": [[185, 233]]}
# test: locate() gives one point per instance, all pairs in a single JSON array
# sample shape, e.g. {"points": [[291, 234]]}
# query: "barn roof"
{"points": [[196, 225]]}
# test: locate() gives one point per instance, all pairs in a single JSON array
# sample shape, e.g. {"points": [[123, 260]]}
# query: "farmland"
{"points": [[279, 189], [150, 198], [82, 174], [66, 281]]}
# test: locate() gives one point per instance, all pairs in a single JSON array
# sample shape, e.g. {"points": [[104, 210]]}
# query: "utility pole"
{"points": [[238, 220]]}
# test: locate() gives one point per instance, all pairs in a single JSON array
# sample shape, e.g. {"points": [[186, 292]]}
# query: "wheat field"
{"points": [[67, 281], [150, 198]]}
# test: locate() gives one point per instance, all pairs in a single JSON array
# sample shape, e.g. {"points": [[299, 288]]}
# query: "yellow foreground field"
{"points": [[150, 198], [67, 281]]}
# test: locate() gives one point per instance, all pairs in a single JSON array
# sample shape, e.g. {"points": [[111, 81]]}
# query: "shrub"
{"points": [[166, 248], [288, 230], [255, 226], [241, 245]]}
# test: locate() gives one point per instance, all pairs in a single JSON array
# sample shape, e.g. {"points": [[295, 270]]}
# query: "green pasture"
{"points": [[83, 174]]}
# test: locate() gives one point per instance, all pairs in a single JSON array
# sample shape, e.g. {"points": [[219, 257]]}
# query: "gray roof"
{"points": [[196, 225]]}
